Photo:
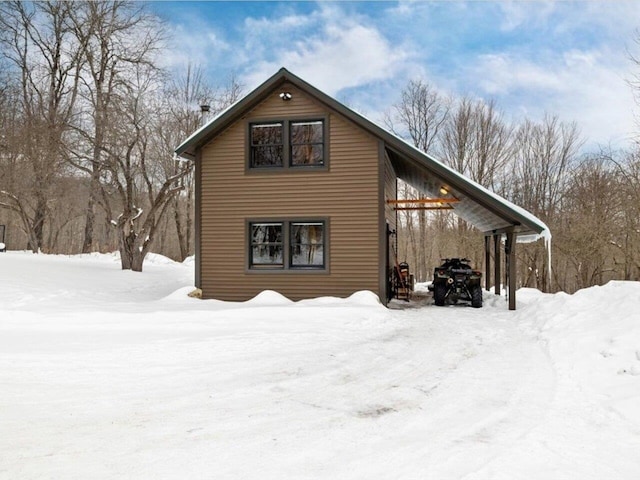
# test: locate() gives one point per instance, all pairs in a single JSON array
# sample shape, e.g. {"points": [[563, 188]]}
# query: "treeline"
{"points": [[89, 120], [590, 201]]}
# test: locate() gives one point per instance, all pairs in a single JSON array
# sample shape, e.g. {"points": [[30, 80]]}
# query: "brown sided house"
{"points": [[295, 193]]}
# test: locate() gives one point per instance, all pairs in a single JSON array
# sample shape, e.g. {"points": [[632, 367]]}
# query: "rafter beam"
{"points": [[424, 200], [441, 207]]}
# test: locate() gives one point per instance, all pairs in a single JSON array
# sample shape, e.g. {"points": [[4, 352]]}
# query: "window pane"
{"points": [[306, 132], [267, 255], [307, 143], [307, 155], [308, 256], [266, 156], [266, 244], [267, 145], [307, 244], [266, 134]]}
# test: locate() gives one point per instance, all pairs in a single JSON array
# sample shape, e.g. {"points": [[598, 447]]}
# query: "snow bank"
{"points": [[269, 298], [157, 259], [364, 298], [594, 336], [109, 374]]}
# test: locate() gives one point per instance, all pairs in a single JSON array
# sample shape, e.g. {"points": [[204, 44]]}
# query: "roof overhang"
{"points": [[487, 211]]}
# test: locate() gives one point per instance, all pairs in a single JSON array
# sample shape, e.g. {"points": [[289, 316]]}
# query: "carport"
{"points": [[502, 222]]}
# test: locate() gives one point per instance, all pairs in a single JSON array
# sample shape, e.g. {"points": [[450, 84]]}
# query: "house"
{"points": [[295, 192]]}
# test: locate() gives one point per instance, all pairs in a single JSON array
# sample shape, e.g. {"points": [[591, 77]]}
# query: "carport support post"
{"points": [[487, 262], [511, 252], [496, 274]]}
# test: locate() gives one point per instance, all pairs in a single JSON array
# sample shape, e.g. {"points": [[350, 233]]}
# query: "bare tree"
{"points": [[119, 36], [634, 80], [37, 42], [476, 141], [627, 235], [182, 101], [543, 155], [587, 227], [419, 116], [132, 174]]}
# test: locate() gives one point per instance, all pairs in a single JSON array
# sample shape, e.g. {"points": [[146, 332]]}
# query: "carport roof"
{"points": [[487, 211]]}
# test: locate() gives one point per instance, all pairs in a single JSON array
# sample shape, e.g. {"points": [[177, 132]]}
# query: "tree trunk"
{"points": [[183, 237], [138, 260], [87, 244], [127, 247], [38, 223]]}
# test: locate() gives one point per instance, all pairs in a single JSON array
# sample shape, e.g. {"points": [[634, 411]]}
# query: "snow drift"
{"points": [[112, 374]]}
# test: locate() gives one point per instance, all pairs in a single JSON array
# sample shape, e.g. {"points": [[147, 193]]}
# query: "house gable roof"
{"points": [[484, 209]]}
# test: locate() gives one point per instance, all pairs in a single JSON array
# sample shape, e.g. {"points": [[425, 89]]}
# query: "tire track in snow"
{"points": [[489, 389]]}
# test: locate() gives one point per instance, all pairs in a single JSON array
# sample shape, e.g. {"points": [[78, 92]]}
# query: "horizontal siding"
{"points": [[346, 194]]}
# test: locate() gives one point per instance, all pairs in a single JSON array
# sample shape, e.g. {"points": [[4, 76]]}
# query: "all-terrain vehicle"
{"points": [[455, 280]]}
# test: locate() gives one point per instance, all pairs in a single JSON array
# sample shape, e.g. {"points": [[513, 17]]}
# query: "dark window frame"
{"points": [[287, 165], [287, 246]]}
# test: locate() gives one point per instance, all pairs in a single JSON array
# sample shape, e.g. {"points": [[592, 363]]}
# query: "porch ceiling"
{"points": [[481, 208]]}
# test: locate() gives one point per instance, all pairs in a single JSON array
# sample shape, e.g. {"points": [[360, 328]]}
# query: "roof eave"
{"points": [[475, 192], [187, 149]]}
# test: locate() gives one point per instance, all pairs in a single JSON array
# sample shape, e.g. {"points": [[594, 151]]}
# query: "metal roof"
{"points": [[484, 209]]}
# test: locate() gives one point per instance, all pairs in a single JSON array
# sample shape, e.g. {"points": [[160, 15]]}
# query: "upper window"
{"points": [[307, 143], [284, 144]]}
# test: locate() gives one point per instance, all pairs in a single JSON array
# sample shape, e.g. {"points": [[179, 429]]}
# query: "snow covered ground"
{"points": [[106, 374]]}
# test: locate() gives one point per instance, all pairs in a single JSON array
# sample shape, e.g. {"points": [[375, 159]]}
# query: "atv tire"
{"points": [[439, 294], [476, 297]]}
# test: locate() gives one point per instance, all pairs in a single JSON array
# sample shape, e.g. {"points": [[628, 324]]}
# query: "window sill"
{"points": [[287, 271], [286, 170]]}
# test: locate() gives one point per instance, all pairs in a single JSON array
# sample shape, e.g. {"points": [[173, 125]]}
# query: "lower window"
{"points": [[267, 245], [287, 245]]}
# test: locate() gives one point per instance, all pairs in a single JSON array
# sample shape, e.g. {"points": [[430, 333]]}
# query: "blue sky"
{"points": [[566, 58]]}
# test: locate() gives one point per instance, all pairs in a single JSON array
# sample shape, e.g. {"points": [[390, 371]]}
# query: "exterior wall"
{"points": [[390, 193], [346, 194], [389, 223]]}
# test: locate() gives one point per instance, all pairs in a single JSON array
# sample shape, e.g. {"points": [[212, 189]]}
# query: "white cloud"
{"points": [[283, 23], [499, 74], [342, 53], [567, 58], [196, 44], [584, 86], [517, 14]]}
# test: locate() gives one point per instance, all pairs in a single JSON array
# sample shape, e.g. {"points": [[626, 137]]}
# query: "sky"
{"points": [[566, 58]]}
